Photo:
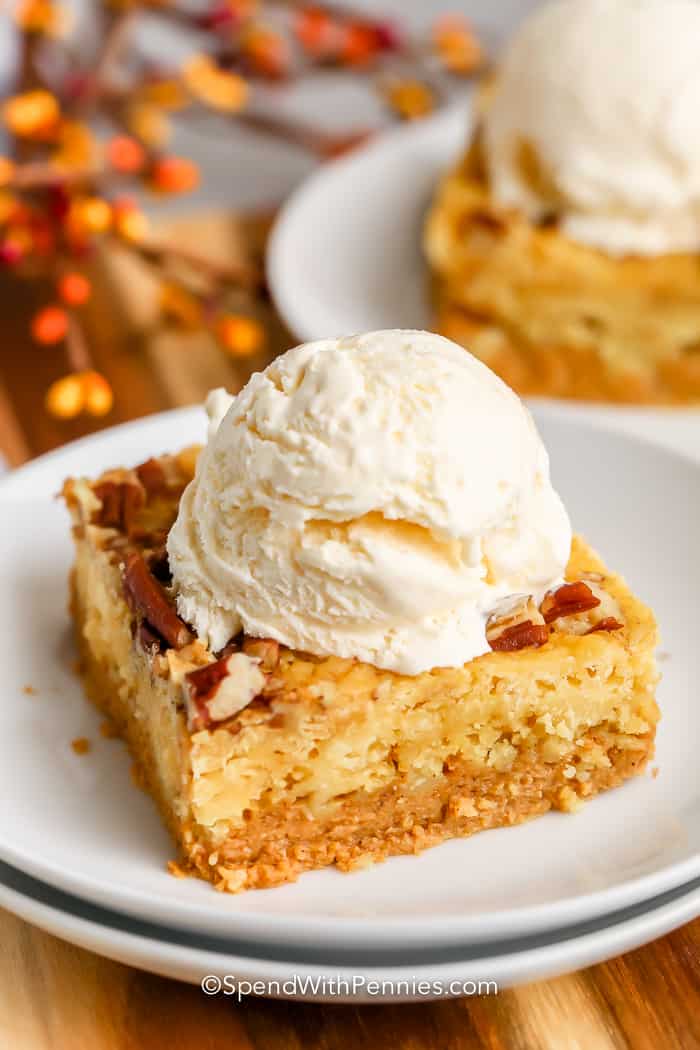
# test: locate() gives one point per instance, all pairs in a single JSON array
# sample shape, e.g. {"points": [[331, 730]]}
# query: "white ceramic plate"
{"points": [[79, 824], [345, 254], [190, 957]]}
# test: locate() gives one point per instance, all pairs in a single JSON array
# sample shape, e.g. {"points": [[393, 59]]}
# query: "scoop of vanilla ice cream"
{"points": [[594, 117], [375, 497]]}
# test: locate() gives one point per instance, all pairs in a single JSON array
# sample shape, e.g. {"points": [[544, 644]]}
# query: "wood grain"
{"points": [[57, 997]]}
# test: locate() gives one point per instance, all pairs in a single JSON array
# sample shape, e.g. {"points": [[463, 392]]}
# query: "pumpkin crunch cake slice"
{"points": [[267, 760], [564, 247]]}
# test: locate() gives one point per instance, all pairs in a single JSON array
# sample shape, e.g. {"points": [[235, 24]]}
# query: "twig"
{"points": [[76, 347], [244, 275], [38, 174], [322, 143], [115, 40]]}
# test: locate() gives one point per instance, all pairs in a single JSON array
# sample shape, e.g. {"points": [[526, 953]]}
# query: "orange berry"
{"points": [[266, 51], [180, 306], [240, 335], [7, 170], [457, 45], [21, 239], [148, 123], [125, 154], [359, 45], [8, 206], [174, 175], [11, 252], [76, 145], [42, 16], [97, 394], [64, 398], [50, 325], [74, 289], [213, 86], [316, 31], [164, 94], [130, 223], [30, 113], [410, 99], [94, 214]]}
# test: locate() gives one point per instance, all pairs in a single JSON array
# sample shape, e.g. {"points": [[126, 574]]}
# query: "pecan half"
{"points": [[608, 623], [218, 691], [519, 636], [266, 650], [147, 597], [567, 600], [121, 502]]}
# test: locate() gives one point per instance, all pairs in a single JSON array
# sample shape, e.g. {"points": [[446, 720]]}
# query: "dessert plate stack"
{"points": [[83, 854]]}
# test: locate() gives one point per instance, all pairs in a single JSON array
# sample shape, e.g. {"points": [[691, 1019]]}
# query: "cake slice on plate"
{"points": [[358, 626], [565, 246]]}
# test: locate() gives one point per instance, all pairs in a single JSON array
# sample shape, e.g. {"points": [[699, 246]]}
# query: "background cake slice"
{"points": [[564, 248]]}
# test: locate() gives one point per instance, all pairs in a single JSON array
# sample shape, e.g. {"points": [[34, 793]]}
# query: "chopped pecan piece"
{"points": [[148, 537], [148, 639], [510, 627], [567, 600], [520, 636], [152, 476], [204, 681], [608, 623], [121, 502], [233, 645], [147, 597], [220, 690], [159, 564], [267, 651]]}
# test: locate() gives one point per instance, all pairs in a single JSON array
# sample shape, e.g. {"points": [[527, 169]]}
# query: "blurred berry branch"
{"points": [[87, 134]]}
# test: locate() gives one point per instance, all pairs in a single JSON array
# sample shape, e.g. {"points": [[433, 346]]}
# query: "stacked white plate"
{"points": [[82, 852]]}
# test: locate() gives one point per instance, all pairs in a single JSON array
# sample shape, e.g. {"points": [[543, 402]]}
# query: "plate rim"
{"points": [[563, 950], [456, 113]]}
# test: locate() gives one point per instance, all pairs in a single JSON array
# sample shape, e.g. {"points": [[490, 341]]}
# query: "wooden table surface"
{"points": [[54, 996]]}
